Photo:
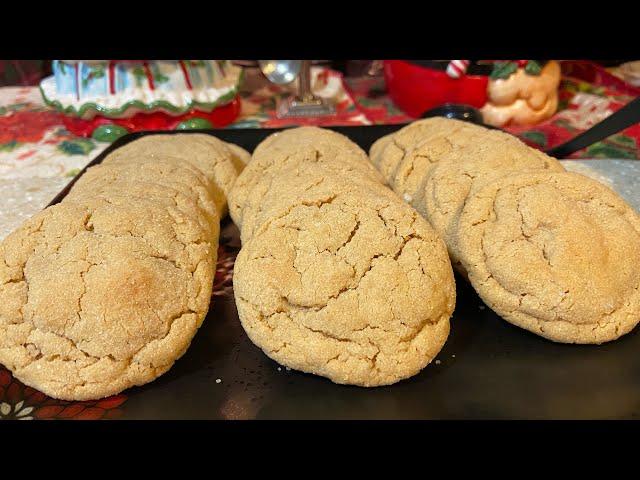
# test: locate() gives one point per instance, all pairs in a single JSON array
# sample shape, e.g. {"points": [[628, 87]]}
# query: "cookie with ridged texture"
{"points": [[282, 149], [451, 180], [98, 297], [401, 146], [418, 159], [556, 254], [330, 288], [303, 167], [166, 195], [376, 149], [309, 183], [211, 156], [165, 172], [239, 156]]}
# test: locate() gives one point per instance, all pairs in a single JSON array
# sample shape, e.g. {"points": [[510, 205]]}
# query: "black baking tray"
{"points": [[488, 369]]}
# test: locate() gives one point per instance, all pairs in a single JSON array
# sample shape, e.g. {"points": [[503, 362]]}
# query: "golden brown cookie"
{"points": [[330, 287], [239, 156], [415, 146], [376, 149], [97, 296], [165, 195], [296, 145], [408, 178], [144, 173], [554, 253], [210, 156], [447, 185], [309, 184], [295, 181]]}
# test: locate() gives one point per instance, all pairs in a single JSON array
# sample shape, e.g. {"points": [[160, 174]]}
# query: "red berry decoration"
{"points": [[522, 63]]}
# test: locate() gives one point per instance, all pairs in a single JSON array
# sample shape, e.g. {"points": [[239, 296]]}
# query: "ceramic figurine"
{"points": [[522, 93], [108, 98]]}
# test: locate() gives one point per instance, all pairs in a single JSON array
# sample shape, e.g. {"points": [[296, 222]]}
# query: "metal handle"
{"points": [[304, 81]]}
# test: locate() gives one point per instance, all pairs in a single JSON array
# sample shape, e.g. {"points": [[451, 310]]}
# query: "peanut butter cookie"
{"points": [[448, 184], [96, 297], [328, 285], [555, 253], [298, 145], [211, 156]]}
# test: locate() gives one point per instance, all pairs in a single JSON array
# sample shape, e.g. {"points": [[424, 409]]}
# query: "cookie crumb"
{"points": [[218, 380], [279, 369], [438, 362], [453, 356], [482, 307], [288, 369]]}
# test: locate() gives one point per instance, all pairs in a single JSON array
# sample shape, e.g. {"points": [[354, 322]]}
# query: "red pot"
{"points": [[415, 88]]}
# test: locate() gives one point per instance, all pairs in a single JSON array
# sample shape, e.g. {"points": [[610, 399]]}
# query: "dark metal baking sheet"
{"points": [[488, 369]]}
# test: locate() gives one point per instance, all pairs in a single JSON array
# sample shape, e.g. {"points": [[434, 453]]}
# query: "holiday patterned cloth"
{"points": [[588, 94], [38, 156]]}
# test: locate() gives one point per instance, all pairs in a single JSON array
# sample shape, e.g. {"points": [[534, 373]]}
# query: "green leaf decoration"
{"points": [[158, 76], [72, 173], [564, 123], [532, 68], [603, 150], [563, 104], [3, 110], [194, 124], [536, 136], [9, 146], [624, 141], [95, 72], [503, 70], [108, 133], [140, 75], [78, 146]]}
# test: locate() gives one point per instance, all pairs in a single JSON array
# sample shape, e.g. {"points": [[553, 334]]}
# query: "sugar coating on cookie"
{"points": [[98, 296], [239, 156], [446, 187], [205, 153], [144, 177], [330, 288], [296, 181], [554, 253], [418, 143], [105, 290], [299, 145]]}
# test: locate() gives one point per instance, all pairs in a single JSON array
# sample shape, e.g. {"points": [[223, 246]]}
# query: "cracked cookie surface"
{"points": [[105, 290], [162, 178], [99, 296], [556, 254], [328, 276], [303, 181], [295, 146], [415, 147], [448, 184], [214, 158]]}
